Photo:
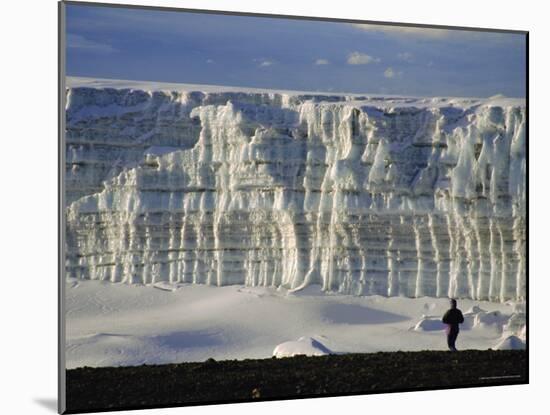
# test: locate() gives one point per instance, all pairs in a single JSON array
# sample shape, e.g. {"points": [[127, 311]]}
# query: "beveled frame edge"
{"points": [[293, 17], [61, 98]]}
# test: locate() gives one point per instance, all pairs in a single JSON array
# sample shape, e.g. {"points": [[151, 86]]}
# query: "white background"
{"points": [[28, 219]]}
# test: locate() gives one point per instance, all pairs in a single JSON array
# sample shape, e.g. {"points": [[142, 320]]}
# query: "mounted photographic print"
{"points": [[258, 207]]}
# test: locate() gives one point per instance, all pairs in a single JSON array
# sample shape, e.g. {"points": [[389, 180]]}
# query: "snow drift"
{"points": [[307, 346], [360, 194]]}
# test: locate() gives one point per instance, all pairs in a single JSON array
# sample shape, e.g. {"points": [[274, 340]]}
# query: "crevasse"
{"points": [[360, 194]]}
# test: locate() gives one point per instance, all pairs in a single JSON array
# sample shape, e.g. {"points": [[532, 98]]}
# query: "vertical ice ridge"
{"points": [[360, 195]]}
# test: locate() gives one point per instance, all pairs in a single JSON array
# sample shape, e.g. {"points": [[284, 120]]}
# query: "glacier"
{"points": [[360, 194]]}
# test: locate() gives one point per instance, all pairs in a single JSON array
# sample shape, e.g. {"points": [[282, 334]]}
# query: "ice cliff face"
{"points": [[363, 195]]}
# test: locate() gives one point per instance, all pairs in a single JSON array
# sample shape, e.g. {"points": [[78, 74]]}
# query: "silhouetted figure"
{"points": [[452, 319]]}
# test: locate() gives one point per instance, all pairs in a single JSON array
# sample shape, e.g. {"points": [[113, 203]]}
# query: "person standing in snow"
{"points": [[452, 319]]}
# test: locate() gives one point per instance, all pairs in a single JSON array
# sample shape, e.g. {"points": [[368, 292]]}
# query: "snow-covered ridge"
{"points": [[361, 194]]}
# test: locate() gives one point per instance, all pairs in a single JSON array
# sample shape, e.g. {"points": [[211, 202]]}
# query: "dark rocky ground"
{"points": [[99, 389]]}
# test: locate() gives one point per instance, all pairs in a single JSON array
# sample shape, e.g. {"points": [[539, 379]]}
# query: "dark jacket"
{"points": [[453, 318]]}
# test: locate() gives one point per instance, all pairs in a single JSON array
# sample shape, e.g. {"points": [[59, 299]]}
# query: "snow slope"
{"points": [[361, 194], [117, 324]]}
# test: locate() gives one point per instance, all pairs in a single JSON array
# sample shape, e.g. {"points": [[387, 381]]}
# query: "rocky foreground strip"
{"points": [[114, 388]]}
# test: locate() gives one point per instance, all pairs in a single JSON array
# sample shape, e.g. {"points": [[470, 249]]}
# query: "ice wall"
{"points": [[363, 195]]}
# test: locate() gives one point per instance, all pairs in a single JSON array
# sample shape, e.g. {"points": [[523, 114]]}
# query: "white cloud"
{"points": [[389, 73], [80, 42], [358, 58], [430, 33], [210, 61], [408, 31], [322, 62], [405, 56], [262, 62]]}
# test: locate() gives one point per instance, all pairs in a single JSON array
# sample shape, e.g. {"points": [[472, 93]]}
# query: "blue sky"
{"points": [[138, 44]]}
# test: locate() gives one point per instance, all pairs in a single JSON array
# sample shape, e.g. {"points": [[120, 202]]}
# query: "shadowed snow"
{"points": [[117, 324]]}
